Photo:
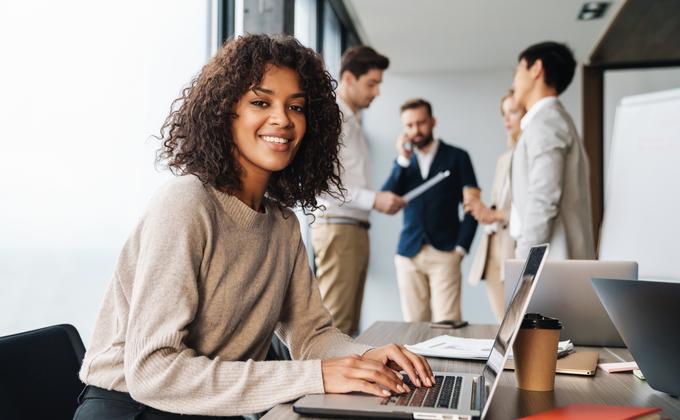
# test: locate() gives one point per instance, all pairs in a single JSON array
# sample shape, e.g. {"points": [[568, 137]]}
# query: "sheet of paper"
{"points": [[425, 186], [451, 347], [618, 367]]}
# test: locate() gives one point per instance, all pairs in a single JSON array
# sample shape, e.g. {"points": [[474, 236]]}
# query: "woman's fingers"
{"points": [[419, 362], [368, 370], [394, 352], [374, 377], [368, 388], [341, 375], [415, 366], [373, 374], [421, 365]]}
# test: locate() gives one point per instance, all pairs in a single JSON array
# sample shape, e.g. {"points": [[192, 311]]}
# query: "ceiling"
{"points": [[450, 35]]}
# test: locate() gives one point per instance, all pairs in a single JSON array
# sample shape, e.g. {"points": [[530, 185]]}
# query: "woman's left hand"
{"points": [[481, 213], [398, 358], [484, 215]]}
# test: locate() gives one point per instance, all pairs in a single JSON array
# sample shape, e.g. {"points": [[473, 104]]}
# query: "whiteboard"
{"points": [[642, 190]]}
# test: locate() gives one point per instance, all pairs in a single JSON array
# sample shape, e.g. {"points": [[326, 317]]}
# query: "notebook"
{"points": [[597, 412]]}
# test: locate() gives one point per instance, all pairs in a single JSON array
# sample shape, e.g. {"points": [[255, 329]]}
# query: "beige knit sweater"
{"points": [[199, 289]]}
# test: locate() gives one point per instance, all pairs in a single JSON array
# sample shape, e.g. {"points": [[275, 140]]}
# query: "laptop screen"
{"points": [[513, 319]]}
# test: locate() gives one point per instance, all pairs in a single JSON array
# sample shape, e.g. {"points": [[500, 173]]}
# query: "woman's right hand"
{"points": [[354, 373]]}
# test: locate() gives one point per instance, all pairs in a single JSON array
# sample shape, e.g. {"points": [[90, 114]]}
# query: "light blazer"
{"points": [[503, 241], [551, 187]]}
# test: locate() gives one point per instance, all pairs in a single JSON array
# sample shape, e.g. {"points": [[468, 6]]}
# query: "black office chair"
{"points": [[39, 373]]}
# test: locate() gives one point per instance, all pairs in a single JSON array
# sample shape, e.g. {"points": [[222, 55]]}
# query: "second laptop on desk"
{"points": [[565, 293]]}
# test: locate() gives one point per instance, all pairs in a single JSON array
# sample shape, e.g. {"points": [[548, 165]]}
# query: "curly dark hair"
{"points": [[197, 137]]}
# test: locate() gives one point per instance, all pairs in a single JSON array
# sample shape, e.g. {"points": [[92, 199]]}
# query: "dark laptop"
{"points": [[455, 395], [646, 313]]}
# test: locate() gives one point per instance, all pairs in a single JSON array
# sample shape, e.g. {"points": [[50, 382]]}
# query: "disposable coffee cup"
{"points": [[471, 193], [535, 352]]}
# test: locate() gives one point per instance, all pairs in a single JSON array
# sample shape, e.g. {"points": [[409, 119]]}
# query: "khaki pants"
{"points": [[492, 276], [429, 285], [341, 256]]}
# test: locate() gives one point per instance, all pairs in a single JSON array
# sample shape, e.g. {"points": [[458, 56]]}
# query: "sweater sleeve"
{"points": [[161, 371], [305, 323]]}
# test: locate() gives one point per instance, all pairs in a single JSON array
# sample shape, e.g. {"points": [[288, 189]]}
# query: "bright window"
{"points": [[85, 84]]}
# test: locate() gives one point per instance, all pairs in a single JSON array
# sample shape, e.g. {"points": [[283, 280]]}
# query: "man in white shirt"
{"points": [[550, 173], [340, 232]]}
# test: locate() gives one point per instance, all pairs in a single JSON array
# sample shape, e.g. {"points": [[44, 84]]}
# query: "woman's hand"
{"points": [[471, 205], [484, 215], [481, 212], [356, 373], [397, 357], [376, 372]]}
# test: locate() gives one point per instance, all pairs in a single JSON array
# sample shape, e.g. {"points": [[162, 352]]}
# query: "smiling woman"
{"points": [[216, 266], [268, 128], [236, 86]]}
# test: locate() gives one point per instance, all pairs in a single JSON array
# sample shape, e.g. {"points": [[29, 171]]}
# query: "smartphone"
{"points": [[449, 324]]}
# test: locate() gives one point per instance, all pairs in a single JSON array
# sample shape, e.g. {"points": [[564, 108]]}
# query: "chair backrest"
{"points": [[39, 373]]}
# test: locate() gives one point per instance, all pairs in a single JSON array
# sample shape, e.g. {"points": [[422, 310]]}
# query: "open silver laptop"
{"points": [[454, 395], [565, 293]]}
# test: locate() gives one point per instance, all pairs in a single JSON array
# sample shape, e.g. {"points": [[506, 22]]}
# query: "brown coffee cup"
{"points": [[535, 352]]}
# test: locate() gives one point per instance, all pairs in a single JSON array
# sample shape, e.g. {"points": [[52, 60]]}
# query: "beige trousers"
{"points": [[429, 285], [341, 256]]}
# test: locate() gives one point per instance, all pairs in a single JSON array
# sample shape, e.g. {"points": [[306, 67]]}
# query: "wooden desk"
{"points": [[508, 401]]}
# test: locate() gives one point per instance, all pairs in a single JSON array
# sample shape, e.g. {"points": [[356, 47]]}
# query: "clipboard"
{"points": [[577, 363], [425, 186]]}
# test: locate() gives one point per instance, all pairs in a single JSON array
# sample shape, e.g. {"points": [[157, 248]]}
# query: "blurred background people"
{"points": [[496, 244], [550, 169], [340, 231]]}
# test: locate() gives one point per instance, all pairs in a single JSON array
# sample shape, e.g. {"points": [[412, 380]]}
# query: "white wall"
{"points": [[84, 86], [466, 105]]}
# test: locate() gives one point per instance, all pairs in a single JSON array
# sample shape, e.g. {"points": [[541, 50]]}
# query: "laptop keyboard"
{"points": [[444, 394]]}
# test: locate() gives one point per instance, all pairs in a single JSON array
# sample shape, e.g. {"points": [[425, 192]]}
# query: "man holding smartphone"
{"points": [[433, 239]]}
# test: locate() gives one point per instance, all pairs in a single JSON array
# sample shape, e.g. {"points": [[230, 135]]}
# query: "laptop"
{"points": [[646, 314], [455, 395], [565, 293]]}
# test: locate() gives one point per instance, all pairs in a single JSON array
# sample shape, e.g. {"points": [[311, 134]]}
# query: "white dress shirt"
{"points": [[515, 221], [356, 174]]}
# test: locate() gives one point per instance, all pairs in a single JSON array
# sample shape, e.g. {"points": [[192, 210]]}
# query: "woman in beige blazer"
{"points": [[497, 245]]}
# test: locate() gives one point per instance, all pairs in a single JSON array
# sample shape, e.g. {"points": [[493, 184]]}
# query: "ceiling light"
{"points": [[593, 10]]}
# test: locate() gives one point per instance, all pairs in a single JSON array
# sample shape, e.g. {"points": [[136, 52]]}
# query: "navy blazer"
{"points": [[433, 216]]}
